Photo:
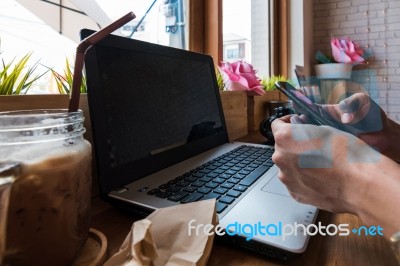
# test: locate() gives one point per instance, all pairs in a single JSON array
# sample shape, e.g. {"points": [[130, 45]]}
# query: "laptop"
{"points": [[160, 139]]}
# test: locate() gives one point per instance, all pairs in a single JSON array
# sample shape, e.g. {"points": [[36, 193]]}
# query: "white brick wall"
{"points": [[373, 23]]}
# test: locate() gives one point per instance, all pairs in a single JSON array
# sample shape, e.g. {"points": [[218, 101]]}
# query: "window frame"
{"points": [[205, 27], [205, 32]]}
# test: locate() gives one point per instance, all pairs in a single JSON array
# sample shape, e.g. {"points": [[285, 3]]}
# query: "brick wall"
{"points": [[371, 23]]}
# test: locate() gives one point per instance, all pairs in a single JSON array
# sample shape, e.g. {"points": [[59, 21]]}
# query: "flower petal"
{"points": [[259, 90], [236, 86], [251, 79]]}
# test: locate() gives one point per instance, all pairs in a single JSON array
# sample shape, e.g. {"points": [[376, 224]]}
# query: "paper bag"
{"points": [[165, 238]]}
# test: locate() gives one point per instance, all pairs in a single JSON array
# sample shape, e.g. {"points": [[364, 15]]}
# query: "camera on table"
{"points": [[265, 126]]}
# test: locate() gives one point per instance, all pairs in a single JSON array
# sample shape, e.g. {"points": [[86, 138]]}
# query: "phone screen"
{"points": [[303, 105]]}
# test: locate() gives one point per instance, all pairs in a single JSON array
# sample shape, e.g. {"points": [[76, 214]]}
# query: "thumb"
{"points": [[351, 105], [277, 123]]}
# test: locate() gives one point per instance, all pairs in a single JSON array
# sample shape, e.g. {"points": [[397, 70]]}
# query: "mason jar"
{"points": [[47, 220]]}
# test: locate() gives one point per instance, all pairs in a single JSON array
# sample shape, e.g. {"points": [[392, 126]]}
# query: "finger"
{"points": [[349, 105], [304, 119], [278, 123], [347, 118], [299, 119], [286, 118], [359, 98], [354, 108], [295, 119]]}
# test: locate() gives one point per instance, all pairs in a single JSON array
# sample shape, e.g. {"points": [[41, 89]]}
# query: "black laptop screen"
{"points": [[150, 106], [155, 103]]}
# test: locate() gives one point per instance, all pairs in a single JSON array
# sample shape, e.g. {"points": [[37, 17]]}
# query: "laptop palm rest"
{"points": [[276, 186], [274, 208]]}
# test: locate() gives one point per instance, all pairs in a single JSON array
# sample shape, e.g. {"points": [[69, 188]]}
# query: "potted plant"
{"points": [[16, 77], [234, 105], [269, 86], [240, 76], [345, 54]]}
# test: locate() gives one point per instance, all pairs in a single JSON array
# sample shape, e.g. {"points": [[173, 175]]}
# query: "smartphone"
{"points": [[315, 113]]}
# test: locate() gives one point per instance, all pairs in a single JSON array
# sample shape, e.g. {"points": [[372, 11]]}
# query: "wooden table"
{"points": [[322, 250]]}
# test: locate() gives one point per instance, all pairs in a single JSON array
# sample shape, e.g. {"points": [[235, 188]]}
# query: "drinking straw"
{"points": [[81, 50]]}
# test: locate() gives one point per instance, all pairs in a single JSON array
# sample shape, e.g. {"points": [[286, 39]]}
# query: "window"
{"points": [[50, 30], [268, 50], [191, 24], [231, 52], [246, 33], [162, 22]]}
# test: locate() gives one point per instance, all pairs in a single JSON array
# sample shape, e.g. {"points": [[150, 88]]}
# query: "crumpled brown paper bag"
{"points": [[163, 237]]}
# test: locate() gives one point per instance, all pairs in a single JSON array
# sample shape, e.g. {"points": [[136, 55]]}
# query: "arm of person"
{"points": [[379, 197], [338, 172]]}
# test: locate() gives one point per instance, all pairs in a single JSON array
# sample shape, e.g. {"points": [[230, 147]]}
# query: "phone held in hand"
{"points": [[315, 113]]}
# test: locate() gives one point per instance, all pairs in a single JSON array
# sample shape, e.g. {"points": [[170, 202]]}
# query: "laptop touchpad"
{"points": [[276, 186]]}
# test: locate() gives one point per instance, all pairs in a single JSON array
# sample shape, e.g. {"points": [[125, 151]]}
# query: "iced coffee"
{"points": [[48, 212]]}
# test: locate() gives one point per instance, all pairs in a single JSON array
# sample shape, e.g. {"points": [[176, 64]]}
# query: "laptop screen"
{"points": [[151, 106], [155, 102]]}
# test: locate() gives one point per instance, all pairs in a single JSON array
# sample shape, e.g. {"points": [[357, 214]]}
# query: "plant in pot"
{"points": [[234, 105], [345, 54], [272, 94], [16, 76], [269, 82], [239, 84], [240, 76]]}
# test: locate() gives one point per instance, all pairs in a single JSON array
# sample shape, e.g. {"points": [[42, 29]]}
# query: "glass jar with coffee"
{"points": [[48, 164]]}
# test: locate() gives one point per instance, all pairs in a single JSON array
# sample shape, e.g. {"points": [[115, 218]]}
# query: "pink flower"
{"points": [[239, 76], [346, 51]]}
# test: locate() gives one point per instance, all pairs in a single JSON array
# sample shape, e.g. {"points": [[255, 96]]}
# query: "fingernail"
{"points": [[295, 119], [347, 118]]}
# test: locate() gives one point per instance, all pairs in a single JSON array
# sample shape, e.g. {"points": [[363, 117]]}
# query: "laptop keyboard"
{"points": [[224, 178]]}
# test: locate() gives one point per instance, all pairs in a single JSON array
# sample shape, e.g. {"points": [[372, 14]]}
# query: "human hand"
{"points": [[377, 129], [356, 108], [318, 164], [359, 112], [338, 172]]}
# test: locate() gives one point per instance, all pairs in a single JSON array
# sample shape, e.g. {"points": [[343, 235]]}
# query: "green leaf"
{"points": [[269, 82], [17, 77], [64, 81], [323, 59]]}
